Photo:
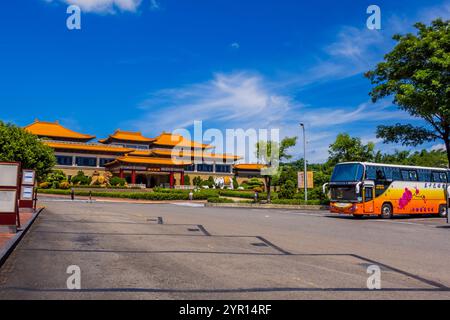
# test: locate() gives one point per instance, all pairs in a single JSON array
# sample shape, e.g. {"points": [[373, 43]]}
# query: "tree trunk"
{"points": [[447, 148], [269, 187]]}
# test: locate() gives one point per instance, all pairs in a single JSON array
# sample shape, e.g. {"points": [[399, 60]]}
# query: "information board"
{"points": [[26, 193], [301, 180], [28, 177], [8, 200], [9, 173]]}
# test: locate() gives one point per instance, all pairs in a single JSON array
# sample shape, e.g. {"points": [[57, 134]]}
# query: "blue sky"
{"points": [[155, 65]]}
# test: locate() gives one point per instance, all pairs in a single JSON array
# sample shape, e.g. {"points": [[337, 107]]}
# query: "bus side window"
{"points": [[439, 177], [412, 175], [396, 175], [371, 173], [405, 175], [443, 177], [424, 175]]}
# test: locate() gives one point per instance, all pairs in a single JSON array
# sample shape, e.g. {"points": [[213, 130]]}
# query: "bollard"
{"points": [[256, 197], [72, 194], [90, 196], [191, 196]]}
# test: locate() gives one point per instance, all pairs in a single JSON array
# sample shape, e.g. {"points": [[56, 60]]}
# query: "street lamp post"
{"points": [[305, 172]]}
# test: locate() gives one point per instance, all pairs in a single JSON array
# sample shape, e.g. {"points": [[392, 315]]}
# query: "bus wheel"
{"points": [[386, 211], [442, 211]]}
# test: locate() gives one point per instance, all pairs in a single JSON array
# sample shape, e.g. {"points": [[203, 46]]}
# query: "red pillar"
{"points": [[133, 176], [182, 178], [121, 174], [171, 180]]}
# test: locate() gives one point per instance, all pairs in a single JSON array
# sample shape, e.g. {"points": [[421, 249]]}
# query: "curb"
{"points": [[14, 241], [267, 206]]}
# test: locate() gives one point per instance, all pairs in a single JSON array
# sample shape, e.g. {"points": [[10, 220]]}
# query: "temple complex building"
{"points": [[150, 162]]}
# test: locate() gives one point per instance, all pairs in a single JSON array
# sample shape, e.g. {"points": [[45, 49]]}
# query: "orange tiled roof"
{"points": [[168, 139], [150, 160], [200, 154], [55, 130], [250, 166], [87, 147], [127, 136]]}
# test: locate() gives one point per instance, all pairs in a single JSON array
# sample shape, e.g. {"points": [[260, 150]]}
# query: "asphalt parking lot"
{"points": [[168, 251]]}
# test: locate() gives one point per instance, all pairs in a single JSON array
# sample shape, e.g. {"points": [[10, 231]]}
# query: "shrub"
{"points": [[81, 179], [258, 189], [297, 202], [56, 176], [197, 181], [44, 185], [235, 183], [219, 200], [116, 181], [187, 180], [288, 190], [64, 185]]}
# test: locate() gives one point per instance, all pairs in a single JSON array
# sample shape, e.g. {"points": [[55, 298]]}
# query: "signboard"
{"points": [[8, 201], [9, 189], [28, 177], [26, 193], [9, 174], [301, 180]]}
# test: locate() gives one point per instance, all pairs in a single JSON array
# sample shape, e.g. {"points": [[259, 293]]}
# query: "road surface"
{"points": [[168, 251]]}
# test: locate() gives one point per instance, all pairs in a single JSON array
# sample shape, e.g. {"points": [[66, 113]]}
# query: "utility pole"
{"points": [[305, 172]]}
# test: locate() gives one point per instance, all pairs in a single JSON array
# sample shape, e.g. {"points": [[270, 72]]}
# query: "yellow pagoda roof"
{"points": [[55, 130], [174, 140], [127, 136], [250, 166], [87, 147], [150, 160], [199, 154]]}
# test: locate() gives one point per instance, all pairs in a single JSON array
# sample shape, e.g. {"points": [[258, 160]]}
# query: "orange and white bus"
{"points": [[359, 188]]}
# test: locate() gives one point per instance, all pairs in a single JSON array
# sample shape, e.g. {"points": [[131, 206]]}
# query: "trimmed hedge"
{"points": [[220, 200], [298, 202], [155, 196]]}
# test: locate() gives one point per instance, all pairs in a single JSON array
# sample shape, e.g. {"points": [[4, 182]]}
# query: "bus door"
{"points": [[368, 193]]}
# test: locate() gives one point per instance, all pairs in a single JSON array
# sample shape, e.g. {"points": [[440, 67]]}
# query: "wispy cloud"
{"points": [[246, 100], [238, 99], [104, 6]]}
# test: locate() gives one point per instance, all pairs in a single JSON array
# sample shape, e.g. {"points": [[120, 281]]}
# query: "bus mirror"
{"points": [[358, 187], [324, 188]]}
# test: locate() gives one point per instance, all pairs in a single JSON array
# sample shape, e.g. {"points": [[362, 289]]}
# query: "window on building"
{"points": [[64, 160], [205, 168], [86, 162], [223, 168], [104, 161]]}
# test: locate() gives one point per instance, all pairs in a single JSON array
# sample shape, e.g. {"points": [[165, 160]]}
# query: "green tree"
{"points": [[271, 153], [17, 144], [417, 74], [347, 148], [187, 180], [288, 190]]}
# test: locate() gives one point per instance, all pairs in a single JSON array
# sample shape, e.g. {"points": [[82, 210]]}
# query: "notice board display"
{"points": [[9, 193], [28, 177], [9, 174], [8, 201]]}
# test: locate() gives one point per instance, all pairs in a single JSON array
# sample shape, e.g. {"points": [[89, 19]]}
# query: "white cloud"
{"points": [[245, 100], [235, 45], [104, 6], [238, 99], [154, 5]]}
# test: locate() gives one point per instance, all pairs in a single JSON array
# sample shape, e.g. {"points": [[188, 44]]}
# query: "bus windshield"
{"points": [[350, 172]]}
